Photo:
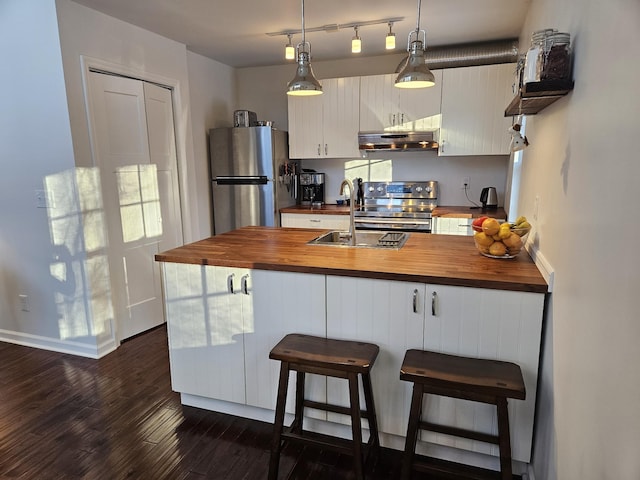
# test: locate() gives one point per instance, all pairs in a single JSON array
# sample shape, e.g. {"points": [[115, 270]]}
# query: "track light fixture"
{"points": [[356, 42], [390, 41], [289, 49], [304, 82], [415, 73]]}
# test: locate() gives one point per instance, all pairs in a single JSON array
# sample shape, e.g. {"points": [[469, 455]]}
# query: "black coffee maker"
{"points": [[311, 189]]}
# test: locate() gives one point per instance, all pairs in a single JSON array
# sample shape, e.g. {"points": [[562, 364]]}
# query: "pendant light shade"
{"points": [[415, 73], [304, 82]]}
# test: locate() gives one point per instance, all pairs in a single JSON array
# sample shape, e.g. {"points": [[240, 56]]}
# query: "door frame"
{"points": [[90, 64]]}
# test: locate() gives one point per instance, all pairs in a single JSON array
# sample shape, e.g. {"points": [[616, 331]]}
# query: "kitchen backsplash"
{"points": [[484, 171]]}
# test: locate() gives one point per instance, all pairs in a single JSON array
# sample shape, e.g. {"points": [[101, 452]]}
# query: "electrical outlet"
{"points": [[24, 302], [466, 183]]}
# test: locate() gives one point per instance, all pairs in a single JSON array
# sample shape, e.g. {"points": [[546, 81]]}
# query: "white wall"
{"points": [[262, 89], [36, 147], [582, 164], [212, 96], [485, 171]]}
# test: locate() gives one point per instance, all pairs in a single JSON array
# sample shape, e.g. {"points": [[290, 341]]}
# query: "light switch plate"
{"points": [[43, 199]]}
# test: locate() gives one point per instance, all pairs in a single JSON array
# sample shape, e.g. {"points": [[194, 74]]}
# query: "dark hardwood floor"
{"points": [[68, 417]]}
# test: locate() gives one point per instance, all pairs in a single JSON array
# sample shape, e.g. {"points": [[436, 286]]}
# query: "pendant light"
{"points": [[415, 73], [304, 82]]}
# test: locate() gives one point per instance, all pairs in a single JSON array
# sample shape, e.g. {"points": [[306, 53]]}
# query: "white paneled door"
{"points": [[134, 150]]}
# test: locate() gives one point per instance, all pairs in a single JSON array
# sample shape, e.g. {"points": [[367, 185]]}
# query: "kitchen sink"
{"points": [[364, 239]]}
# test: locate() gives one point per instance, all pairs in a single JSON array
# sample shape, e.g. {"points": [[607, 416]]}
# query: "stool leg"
{"points": [[296, 426], [356, 426], [415, 415], [281, 401], [504, 438], [374, 441]]}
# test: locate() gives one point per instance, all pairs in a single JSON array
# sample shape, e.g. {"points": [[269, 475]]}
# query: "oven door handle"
{"points": [[378, 221]]}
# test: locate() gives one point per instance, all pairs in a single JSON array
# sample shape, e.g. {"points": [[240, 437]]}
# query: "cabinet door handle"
{"points": [[402, 118], [313, 220], [326, 149], [434, 296], [319, 149], [393, 119], [244, 284], [442, 142], [230, 283], [415, 301]]}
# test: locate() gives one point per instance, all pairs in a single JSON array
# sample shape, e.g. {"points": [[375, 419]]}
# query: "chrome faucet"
{"points": [[352, 223]]}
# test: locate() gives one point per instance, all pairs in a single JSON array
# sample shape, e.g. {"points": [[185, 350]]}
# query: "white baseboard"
{"points": [[57, 345], [543, 265]]}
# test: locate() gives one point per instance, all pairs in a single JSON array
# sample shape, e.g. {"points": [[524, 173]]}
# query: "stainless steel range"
{"points": [[400, 206]]}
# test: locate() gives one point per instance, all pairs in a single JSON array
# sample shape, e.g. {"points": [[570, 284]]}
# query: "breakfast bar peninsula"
{"points": [[230, 298]]}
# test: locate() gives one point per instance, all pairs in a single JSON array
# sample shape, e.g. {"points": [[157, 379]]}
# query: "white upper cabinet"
{"points": [[326, 126], [473, 100], [384, 107], [305, 126]]}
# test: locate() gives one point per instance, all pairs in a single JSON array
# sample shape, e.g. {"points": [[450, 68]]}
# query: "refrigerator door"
{"points": [[242, 201], [241, 152], [244, 165]]}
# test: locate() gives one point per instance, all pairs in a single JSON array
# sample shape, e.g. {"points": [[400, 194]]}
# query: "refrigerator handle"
{"points": [[249, 180]]}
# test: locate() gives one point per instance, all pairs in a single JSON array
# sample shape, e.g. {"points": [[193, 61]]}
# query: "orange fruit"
{"points": [[498, 249], [490, 226]]}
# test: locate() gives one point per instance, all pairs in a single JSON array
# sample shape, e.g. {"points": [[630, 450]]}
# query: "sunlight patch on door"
{"points": [[139, 198]]}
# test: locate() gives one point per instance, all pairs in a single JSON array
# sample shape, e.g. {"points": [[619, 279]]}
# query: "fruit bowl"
{"points": [[502, 240]]}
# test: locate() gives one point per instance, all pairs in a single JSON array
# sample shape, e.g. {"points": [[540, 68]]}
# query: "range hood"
{"points": [[398, 141]]}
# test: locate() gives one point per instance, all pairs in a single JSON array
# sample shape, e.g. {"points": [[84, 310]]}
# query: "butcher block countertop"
{"points": [[439, 211], [433, 259]]}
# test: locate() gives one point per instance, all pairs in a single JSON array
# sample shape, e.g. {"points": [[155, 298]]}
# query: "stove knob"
{"points": [[380, 189], [371, 188], [418, 189], [427, 189]]}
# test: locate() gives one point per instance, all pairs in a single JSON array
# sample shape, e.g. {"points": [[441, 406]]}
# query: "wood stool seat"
{"points": [[480, 380], [334, 358]]}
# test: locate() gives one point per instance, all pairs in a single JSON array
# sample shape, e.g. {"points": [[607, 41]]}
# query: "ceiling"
{"points": [[234, 32]]}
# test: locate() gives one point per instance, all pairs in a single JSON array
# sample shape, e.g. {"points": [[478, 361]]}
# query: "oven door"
{"points": [[422, 225]]}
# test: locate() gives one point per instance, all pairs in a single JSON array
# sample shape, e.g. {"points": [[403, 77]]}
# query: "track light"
{"points": [[390, 41], [356, 42], [289, 50]]}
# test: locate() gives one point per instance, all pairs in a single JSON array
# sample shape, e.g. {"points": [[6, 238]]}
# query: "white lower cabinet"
{"points": [[205, 323], [310, 220], [475, 322], [380, 312], [452, 226], [283, 302], [222, 323]]}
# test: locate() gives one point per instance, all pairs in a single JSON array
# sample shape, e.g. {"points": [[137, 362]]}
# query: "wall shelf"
{"points": [[533, 97]]}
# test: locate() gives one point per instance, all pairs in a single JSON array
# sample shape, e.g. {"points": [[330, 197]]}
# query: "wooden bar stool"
{"points": [[480, 380], [334, 358]]}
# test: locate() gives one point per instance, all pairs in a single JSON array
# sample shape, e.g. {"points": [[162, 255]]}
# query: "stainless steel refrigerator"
{"points": [[251, 175]]}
